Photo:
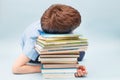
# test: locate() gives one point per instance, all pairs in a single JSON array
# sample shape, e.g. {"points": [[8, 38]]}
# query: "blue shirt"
{"points": [[29, 39]]}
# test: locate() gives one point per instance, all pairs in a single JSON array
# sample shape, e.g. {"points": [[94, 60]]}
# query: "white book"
{"points": [[60, 70], [57, 76]]}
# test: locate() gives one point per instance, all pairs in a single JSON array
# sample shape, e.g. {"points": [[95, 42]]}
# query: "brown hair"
{"points": [[60, 18]]}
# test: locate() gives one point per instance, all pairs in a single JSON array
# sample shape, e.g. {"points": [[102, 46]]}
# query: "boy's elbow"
{"points": [[15, 69]]}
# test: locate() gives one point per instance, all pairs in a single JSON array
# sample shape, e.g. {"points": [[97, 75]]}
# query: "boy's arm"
{"points": [[20, 66]]}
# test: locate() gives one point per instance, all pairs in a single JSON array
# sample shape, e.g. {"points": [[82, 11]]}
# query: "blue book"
{"points": [[46, 35]]}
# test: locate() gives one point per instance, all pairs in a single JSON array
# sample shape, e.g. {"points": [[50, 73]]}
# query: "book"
{"points": [[61, 52], [59, 49], [75, 65], [57, 38], [57, 60], [63, 45], [46, 35], [60, 56], [58, 76], [64, 42], [60, 70]]}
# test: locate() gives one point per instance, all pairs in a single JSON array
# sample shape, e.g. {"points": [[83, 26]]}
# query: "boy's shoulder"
{"points": [[33, 29], [34, 25]]}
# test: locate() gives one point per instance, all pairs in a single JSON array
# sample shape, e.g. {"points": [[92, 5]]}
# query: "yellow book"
{"points": [[59, 52], [60, 42], [54, 37], [61, 45], [57, 38], [43, 49]]}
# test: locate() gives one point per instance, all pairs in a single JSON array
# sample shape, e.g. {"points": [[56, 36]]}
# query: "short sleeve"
{"points": [[28, 49], [28, 40]]}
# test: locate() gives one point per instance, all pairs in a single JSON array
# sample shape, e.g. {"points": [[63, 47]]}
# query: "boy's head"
{"points": [[60, 18]]}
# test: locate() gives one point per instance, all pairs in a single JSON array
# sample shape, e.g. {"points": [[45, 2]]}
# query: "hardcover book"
{"points": [[59, 56], [57, 60], [46, 35], [54, 66]]}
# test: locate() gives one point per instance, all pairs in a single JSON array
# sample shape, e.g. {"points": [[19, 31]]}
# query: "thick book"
{"points": [[62, 42], [75, 65], [46, 35], [61, 52], [60, 70], [59, 48], [60, 45], [60, 56], [57, 60], [59, 76], [50, 39]]}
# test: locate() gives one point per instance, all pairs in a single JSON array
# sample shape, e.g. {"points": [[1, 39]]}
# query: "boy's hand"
{"points": [[81, 71]]}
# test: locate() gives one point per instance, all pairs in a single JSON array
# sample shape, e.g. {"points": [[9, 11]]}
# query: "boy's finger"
{"points": [[75, 74], [80, 73], [81, 67], [85, 72]]}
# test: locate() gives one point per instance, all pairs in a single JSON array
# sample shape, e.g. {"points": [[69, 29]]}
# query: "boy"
{"points": [[57, 18]]}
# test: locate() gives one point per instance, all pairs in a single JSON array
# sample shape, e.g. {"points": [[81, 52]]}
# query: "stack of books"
{"points": [[59, 54]]}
